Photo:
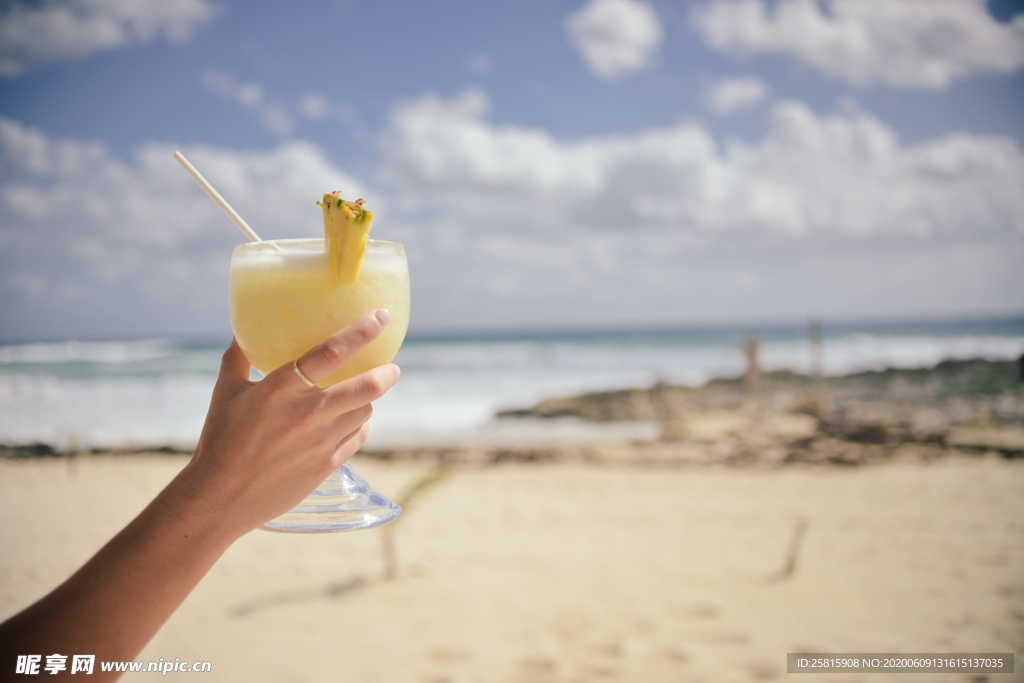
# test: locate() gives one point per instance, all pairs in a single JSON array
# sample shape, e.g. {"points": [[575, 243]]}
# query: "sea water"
{"points": [[155, 392]]}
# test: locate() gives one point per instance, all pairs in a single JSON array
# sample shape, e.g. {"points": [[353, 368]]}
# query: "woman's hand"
{"points": [[267, 444]]}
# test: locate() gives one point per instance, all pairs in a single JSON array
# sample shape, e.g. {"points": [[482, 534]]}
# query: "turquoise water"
{"points": [[156, 391]]}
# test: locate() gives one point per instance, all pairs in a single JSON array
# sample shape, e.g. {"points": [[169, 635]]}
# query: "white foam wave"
{"points": [[448, 394], [90, 351], [62, 412]]}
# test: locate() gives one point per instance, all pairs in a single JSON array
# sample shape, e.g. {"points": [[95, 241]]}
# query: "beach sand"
{"points": [[534, 573]]}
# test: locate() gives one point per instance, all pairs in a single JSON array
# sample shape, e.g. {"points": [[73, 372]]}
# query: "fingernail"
{"points": [[382, 316]]}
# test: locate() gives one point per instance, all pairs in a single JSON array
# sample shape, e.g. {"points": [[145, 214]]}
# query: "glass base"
{"points": [[343, 502]]}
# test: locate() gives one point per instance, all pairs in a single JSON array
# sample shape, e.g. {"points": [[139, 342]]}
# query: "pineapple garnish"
{"points": [[346, 230]]}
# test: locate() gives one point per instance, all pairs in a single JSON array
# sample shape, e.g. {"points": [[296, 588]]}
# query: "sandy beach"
{"points": [[555, 572]]}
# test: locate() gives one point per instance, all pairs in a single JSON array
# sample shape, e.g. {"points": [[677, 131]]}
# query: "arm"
{"points": [[264, 446]]}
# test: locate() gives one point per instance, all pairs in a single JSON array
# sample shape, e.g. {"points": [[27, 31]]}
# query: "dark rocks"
{"points": [[851, 420], [1006, 440], [31, 450]]}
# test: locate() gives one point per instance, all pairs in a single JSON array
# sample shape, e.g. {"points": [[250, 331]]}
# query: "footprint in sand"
{"points": [[446, 656], [724, 638], [699, 610], [674, 654], [538, 666], [598, 671], [763, 669], [704, 611], [644, 626], [612, 649]]}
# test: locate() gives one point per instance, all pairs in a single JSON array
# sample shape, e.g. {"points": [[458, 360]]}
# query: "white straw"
{"points": [[218, 200]]}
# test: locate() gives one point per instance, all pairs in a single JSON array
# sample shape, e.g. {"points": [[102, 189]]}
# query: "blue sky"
{"points": [[757, 161]]}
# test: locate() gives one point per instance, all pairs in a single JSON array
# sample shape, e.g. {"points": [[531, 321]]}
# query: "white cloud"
{"points": [[615, 37], [251, 96], [313, 105], [732, 94], [53, 31], [924, 44], [137, 239], [636, 223], [276, 119], [248, 95], [510, 226], [809, 175]]}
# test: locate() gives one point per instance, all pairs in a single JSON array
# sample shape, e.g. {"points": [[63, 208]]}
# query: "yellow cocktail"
{"points": [[285, 299], [284, 302]]}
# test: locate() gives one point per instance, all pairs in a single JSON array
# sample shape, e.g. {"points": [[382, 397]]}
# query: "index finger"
{"points": [[326, 358]]}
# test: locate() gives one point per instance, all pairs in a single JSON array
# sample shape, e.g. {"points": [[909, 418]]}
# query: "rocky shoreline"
{"points": [[968, 406]]}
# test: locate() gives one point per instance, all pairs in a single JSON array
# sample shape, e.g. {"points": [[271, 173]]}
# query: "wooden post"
{"points": [[817, 352], [668, 416], [818, 397], [752, 353], [388, 547]]}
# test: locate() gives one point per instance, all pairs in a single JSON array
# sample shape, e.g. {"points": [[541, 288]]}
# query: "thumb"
{"points": [[234, 370]]}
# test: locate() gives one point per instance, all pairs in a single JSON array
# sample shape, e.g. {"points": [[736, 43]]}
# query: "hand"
{"points": [[267, 444]]}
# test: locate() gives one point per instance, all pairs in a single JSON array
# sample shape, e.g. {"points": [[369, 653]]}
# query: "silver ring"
{"points": [[309, 383]]}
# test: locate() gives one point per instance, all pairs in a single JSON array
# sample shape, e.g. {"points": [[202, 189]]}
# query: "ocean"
{"points": [[154, 392]]}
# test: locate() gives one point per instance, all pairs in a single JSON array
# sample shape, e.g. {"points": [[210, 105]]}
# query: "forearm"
{"points": [[113, 605], [264, 446]]}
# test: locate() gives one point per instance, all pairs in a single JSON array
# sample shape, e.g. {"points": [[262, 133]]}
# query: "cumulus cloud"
{"points": [[37, 33], [924, 44], [251, 96], [511, 226], [639, 220], [810, 174], [313, 105], [732, 94], [96, 243], [615, 37]]}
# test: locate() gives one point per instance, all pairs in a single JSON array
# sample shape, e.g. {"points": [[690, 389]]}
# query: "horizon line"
{"points": [[752, 325]]}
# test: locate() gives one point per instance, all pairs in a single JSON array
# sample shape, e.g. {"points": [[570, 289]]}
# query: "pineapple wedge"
{"points": [[346, 230]]}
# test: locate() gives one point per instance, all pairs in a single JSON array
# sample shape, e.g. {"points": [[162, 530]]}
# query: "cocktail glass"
{"points": [[283, 303]]}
